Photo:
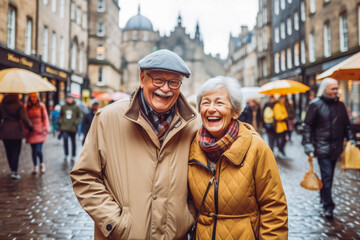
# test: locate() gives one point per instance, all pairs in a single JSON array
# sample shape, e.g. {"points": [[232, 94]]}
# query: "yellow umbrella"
{"points": [[349, 69], [17, 80], [283, 87]]}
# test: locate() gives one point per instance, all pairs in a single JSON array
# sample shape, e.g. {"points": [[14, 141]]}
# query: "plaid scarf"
{"points": [[159, 122], [215, 149]]}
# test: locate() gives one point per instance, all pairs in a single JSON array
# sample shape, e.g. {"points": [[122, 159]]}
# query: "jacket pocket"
{"points": [[122, 230]]}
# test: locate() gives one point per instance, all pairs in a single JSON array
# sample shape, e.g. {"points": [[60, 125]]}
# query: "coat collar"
{"points": [[237, 151]]}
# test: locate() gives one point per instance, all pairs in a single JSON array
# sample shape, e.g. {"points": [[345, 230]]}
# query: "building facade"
{"points": [[242, 59], [333, 35], [104, 59], [140, 39]]}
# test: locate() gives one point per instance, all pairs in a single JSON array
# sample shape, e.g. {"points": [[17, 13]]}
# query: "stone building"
{"points": [[333, 35], [264, 35], [139, 39], [104, 58], [78, 37], [242, 59]]}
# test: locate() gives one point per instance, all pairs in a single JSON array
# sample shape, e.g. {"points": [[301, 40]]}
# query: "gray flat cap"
{"points": [[164, 60]]}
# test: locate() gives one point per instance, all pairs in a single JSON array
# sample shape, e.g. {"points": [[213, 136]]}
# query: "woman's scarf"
{"points": [[214, 149]]}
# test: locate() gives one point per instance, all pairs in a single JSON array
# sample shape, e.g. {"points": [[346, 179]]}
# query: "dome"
{"points": [[139, 22]]}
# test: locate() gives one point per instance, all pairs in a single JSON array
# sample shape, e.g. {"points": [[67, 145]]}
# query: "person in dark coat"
{"points": [[251, 114], [326, 126], [269, 121], [12, 118], [87, 119]]}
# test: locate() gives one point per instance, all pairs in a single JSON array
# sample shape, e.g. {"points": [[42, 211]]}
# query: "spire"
{"points": [[179, 20], [197, 31], [139, 9]]}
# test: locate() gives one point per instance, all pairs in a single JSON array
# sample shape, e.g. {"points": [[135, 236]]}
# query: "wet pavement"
{"points": [[45, 207]]}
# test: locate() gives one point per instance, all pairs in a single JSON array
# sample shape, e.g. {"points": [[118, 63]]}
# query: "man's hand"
{"points": [[309, 148]]}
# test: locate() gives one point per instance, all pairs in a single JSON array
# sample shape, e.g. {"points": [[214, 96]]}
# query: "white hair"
{"points": [[324, 83], [231, 85]]}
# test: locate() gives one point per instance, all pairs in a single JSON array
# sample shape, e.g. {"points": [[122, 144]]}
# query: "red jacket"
{"points": [[40, 121]]}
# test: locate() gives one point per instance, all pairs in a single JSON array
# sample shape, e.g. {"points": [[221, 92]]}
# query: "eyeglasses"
{"points": [[159, 82]]}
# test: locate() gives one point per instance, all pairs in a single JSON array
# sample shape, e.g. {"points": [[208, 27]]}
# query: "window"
{"points": [[277, 63], [53, 5], [327, 40], [84, 20], [282, 30], [135, 35], [283, 67], [296, 20], [289, 27], [73, 55], [264, 40], [100, 77], [264, 20], [282, 4], [312, 47], [276, 7], [296, 54], [312, 6], [302, 10], [81, 61], [78, 15], [260, 42], [100, 30], [45, 45], [28, 34], [259, 20], [289, 58], [72, 10], [343, 33], [11, 27], [101, 6], [289, 1], [264, 68], [53, 49], [45, 2], [125, 37], [100, 52], [62, 53], [62, 8], [302, 49], [277, 35]]}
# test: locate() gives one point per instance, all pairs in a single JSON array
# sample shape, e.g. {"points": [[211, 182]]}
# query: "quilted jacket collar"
{"points": [[237, 151]]}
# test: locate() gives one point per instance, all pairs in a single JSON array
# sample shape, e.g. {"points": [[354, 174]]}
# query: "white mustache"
{"points": [[162, 94]]}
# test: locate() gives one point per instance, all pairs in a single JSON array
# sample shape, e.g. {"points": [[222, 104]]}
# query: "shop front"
{"points": [[59, 78]]}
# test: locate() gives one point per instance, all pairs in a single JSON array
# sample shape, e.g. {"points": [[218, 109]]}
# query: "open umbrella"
{"points": [[17, 80], [251, 92], [283, 87], [112, 96], [349, 69]]}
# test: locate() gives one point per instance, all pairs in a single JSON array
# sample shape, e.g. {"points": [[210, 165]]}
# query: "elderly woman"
{"points": [[233, 177]]}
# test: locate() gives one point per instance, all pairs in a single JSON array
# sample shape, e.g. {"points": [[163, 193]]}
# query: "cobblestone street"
{"points": [[45, 207]]}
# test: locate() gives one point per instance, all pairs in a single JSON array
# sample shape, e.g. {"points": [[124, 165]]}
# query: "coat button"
{"points": [[154, 196], [108, 227]]}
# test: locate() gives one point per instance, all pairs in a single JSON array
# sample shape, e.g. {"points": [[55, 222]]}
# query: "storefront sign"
{"points": [[55, 72], [11, 58]]}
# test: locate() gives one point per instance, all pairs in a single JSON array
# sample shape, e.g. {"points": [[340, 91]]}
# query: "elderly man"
{"points": [[131, 176], [326, 125]]}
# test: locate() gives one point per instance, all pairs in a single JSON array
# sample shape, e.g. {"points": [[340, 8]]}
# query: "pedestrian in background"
{"points": [[280, 115], [326, 126], [69, 119], [12, 118], [291, 116], [55, 120], [252, 114], [233, 177], [87, 120], [269, 122], [36, 112], [131, 176]]}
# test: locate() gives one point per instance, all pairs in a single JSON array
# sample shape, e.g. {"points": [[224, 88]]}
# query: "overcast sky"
{"points": [[217, 18]]}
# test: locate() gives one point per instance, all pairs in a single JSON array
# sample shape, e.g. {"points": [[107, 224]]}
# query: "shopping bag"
{"points": [[311, 181], [350, 157]]}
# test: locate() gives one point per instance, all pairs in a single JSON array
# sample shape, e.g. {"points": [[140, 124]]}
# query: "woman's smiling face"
{"points": [[217, 112]]}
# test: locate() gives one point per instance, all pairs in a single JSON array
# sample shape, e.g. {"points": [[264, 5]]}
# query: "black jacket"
{"points": [[86, 123], [326, 126]]}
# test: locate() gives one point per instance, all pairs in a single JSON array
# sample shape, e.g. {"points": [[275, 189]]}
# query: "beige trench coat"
{"points": [[125, 180]]}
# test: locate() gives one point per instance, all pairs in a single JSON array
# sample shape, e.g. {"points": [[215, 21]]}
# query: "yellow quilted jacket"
{"points": [[246, 199]]}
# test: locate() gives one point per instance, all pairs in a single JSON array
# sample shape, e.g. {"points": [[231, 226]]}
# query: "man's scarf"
{"points": [[214, 149], [159, 122]]}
